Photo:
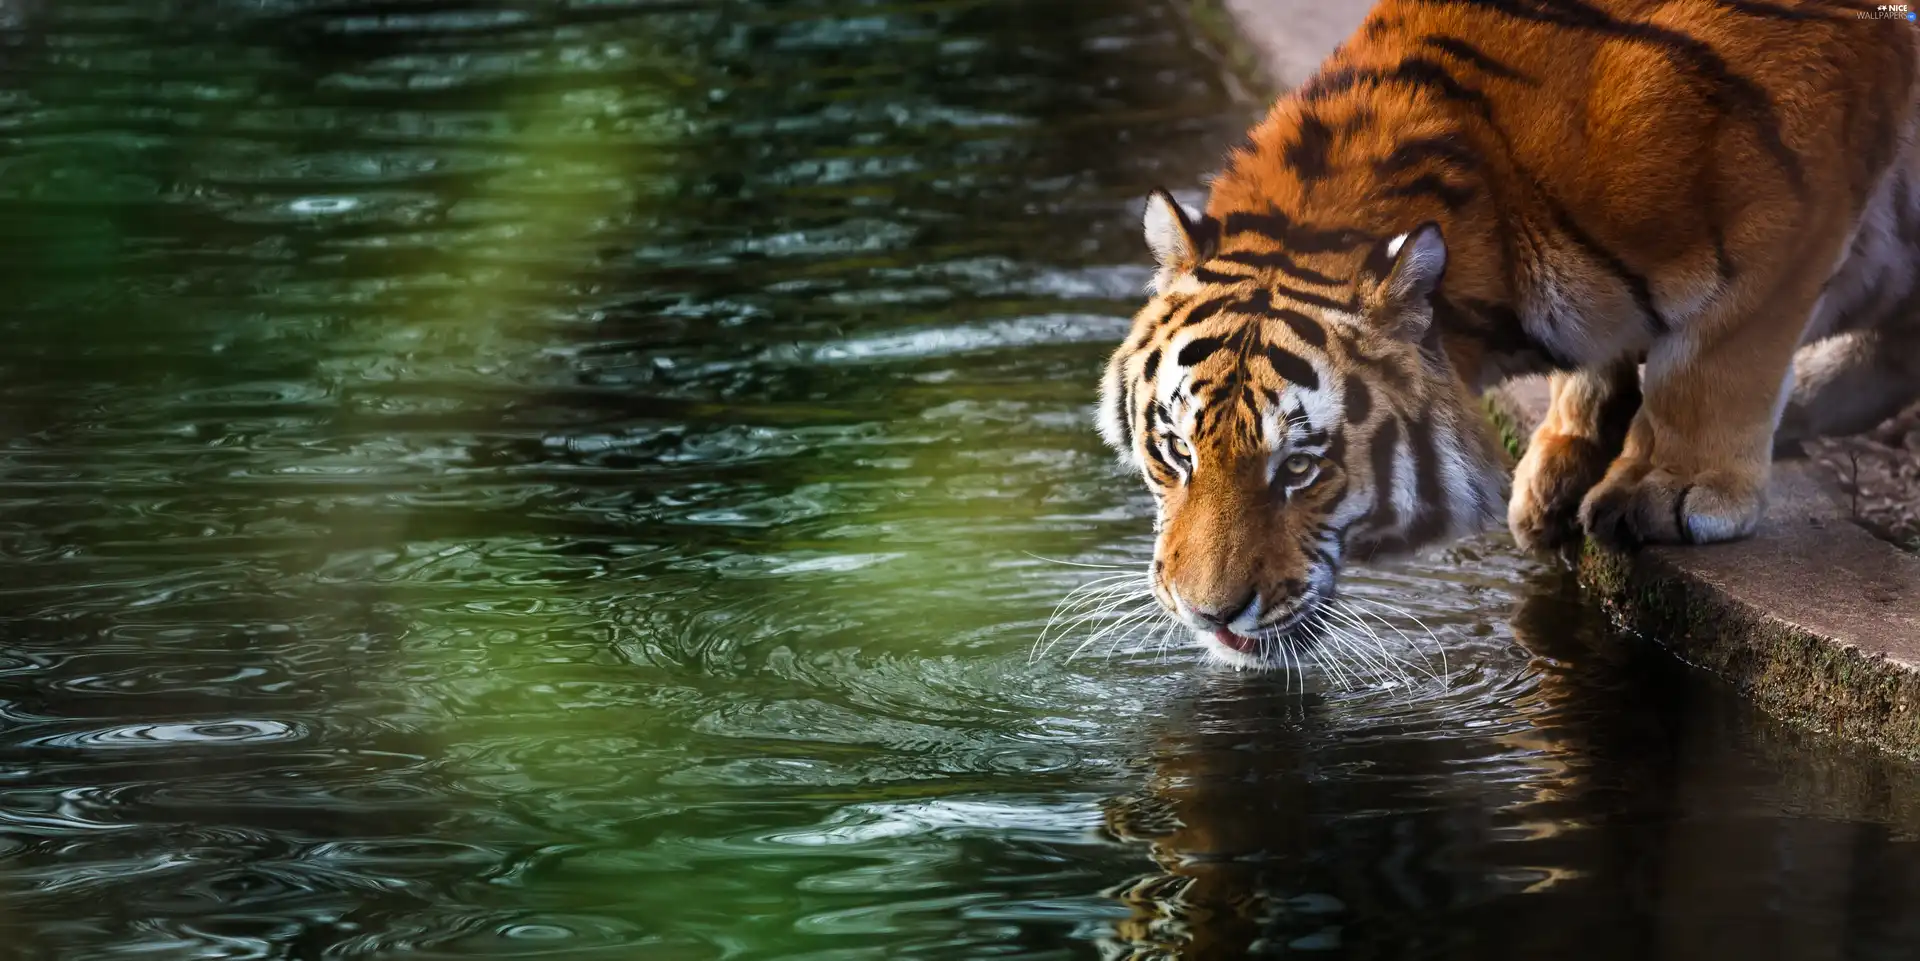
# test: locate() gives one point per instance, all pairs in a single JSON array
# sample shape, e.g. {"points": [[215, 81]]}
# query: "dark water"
{"points": [[564, 480]]}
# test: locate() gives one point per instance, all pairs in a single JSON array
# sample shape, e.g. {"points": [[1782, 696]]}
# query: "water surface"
{"points": [[571, 480]]}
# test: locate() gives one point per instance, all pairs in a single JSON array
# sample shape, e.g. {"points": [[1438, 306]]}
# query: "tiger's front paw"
{"points": [[1548, 484], [1638, 503]]}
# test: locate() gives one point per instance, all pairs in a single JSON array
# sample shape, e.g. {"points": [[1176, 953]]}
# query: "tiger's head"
{"points": [[1289, 401]]}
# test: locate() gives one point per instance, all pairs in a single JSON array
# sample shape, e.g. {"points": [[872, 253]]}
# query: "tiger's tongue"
{"points": [[1235, 641]]}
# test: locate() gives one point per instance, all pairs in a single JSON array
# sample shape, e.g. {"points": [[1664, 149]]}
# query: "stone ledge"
{"points": [[1813, 617]]}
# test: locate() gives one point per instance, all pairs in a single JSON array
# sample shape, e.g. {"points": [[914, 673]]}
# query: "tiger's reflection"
{"points": [[1609, 803]]}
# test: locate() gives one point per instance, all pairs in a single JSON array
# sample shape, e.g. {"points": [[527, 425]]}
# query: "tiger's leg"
{"points": [[1695, 465], [1865, 365], [1585, 426], [1850, 382]]}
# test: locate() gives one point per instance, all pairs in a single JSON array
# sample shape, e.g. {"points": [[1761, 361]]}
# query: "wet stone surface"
{"points": [[1877, 476]]}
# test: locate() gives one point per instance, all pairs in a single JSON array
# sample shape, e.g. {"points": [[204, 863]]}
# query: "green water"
{"points": [[584, 480]]}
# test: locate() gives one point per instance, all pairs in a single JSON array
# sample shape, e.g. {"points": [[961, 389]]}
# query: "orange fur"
{"points": [[1699, 185]]}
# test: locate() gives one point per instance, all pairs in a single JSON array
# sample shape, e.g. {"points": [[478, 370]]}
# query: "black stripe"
{"points": [[1730, 92], [1157, 457], [1471, 54], [1206, 276], [1146, 333], [1451, 317], [1424, 73], [1350, 305], [1636, 283], [1259, 302], [1199, 349], [1773, 11], [1419, 73], [1727, 90], [1386, 443], [1444, 148], [1500, 328], [1359, 401], [1311, 240], [1126, 416], [1272, 224], [1394, 379], [1316, 437], [1722, 261], [1454, 317], [1337, 491], [1360, 119], [1279, 260], [1151, 369], [1432, 515], [1337, 449], [1308, 156], [1379, 262], [1205, 310], [1454, 196], [1398, 381], [1206, 238], [1291, 367], [1620, 404], [1430, 342], [1296, 238], [1306, 328]]}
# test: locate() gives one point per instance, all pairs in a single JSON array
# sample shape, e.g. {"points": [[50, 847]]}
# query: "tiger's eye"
{"points": [[1180, 448], [1298, 465]]}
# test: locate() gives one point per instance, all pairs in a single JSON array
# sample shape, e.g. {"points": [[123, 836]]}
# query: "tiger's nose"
{"points": [[1219, 617]]}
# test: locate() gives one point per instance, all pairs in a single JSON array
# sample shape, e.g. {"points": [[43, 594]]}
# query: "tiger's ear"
{"points": [[1403, 272], [1170, 235]]}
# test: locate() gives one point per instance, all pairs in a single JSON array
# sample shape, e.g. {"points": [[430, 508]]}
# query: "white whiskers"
{"points": [[1349, 639], [1349, 648], [1114, 608]]}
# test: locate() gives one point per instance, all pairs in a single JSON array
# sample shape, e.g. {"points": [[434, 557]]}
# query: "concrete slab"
{"points": [[1813, 617]]}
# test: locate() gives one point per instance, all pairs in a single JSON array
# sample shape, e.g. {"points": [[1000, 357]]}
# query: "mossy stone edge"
{"points": [[1790, 672]]}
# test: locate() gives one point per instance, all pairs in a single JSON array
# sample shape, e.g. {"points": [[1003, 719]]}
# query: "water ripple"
{"points": [[563, 480], [224, 732]]}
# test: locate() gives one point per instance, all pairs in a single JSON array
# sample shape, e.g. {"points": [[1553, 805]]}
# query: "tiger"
{"points": [[1698, 218]]}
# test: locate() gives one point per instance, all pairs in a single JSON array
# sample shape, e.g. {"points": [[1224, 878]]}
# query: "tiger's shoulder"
{"points": [[1602, 169]]}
